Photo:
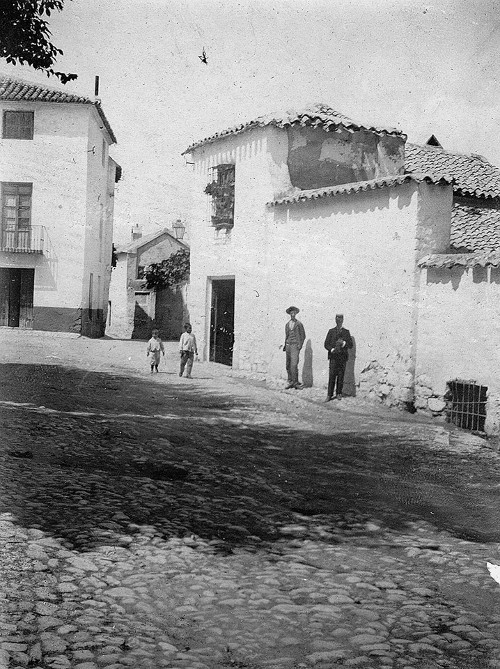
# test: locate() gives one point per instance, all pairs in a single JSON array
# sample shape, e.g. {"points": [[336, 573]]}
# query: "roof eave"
{"points": [[359, 187], [328, 126]]}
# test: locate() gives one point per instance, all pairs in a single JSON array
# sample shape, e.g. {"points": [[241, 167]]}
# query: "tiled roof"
{"points": [[482, 259], [475, 228], [358, 186], [472, 174], [17, 90], [132, 247], [319, 115]]}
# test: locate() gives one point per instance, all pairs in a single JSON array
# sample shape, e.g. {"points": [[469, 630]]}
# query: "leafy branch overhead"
{"points": [[25, 37], [169, 272]]}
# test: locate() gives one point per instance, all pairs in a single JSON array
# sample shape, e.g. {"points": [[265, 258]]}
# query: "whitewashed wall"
{"points": [[354, 254], [459, 333]]}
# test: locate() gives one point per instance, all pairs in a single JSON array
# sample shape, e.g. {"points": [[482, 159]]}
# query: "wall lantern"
{"points": [[179, 229]]}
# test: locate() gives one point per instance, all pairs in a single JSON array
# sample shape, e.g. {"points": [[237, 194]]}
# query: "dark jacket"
{"points": [[299, 331], [331, 339]]}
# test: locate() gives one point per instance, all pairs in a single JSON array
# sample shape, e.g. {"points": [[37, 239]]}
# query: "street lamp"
{"points": [[179, 229]]}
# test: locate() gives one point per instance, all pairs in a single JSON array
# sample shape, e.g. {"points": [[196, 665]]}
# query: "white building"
{"points": [[134, 309], [57, 189], [312, 209]]}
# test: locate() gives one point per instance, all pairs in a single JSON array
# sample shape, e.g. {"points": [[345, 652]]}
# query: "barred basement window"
{"points": [[221, 190], [466, 404]]}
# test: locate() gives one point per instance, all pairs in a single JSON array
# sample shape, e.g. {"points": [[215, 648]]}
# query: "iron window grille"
{"points": [[466, 404], [221, 190]]}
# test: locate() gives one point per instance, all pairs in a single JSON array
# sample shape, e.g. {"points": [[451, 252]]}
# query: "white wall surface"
{"points": [[353, 254], [459, 330], [54, 161]]}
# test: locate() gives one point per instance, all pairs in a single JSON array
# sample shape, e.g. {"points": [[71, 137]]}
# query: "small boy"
{"points": [[155, 347], [188, 350]]}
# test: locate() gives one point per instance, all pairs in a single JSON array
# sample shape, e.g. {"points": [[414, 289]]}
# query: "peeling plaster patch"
{"points": [[337, 150], [297, 140]]}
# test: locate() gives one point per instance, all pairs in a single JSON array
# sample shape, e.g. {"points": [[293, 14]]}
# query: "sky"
{"points": [[426, 68]]}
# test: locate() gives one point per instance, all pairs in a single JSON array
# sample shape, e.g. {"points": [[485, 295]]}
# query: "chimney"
{"points": [[96, 87], [136, 232]]}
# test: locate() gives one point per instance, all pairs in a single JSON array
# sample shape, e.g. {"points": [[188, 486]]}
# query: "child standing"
{"points": [[188, 350], [155, 347]]}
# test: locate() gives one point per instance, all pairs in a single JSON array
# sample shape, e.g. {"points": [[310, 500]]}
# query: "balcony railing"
{"points": [[25, 240]]}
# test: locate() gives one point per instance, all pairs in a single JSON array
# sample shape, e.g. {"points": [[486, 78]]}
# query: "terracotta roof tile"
{"points": [[132, 247], [358, 186], [319, 115], [482, 259], [472, 174], [13, 89], [475, 228]]}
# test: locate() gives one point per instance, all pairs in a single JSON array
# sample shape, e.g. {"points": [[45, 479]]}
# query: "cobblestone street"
{"points": [[151, 521]]}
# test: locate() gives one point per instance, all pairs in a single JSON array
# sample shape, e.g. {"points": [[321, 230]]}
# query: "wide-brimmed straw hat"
{"points": [[290, 309]]}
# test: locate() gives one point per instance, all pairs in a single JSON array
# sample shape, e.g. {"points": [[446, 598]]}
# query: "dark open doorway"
{"points": [[16, 297], [222, 321]]}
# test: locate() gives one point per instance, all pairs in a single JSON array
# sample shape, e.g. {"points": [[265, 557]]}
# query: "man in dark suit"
{"points": [[338, 342], [294, 340]]}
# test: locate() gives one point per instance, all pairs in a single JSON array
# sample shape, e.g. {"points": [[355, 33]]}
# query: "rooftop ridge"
{"points": [[319, 114]]}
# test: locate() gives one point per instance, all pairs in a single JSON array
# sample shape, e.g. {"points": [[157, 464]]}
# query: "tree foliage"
{"points": [[169, 272], [25, 37]]}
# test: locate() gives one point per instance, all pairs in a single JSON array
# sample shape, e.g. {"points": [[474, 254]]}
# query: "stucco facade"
{"points": [[458, 335], [134, 309], [353, 253], [332, 223], [72, 180]]}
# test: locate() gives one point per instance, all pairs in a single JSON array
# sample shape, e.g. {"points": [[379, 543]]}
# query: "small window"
{"points": [[103, 158], [466, 404], [18, 125], [221, 189], [140, 271]]}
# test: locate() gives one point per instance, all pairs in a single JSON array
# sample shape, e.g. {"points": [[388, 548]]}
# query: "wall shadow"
{"points": [[110, 454], [451, 275], [349, 378], [307, 367], [143, 323]]}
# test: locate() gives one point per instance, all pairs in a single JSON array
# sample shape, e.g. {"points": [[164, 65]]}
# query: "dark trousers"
{"points": [[187, 358], [292, 363], [336, 376]]}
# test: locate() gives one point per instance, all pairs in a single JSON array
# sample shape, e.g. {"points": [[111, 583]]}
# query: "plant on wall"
{"points": [[221, 190], [169, 272]]}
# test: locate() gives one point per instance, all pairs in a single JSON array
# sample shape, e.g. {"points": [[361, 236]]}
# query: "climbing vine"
{"points": [[169, 272]]}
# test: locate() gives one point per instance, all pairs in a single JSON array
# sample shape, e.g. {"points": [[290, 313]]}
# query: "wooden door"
{"points": [[26, 298], [222, 321], [4, 295], [14, 297]]}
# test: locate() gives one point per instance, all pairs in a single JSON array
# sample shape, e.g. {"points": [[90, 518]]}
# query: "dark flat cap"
{"points": [[290, 309]]}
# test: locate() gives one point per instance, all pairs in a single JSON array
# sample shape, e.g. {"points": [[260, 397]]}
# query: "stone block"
{"points": [[436, 405], [423, 391], [424, 380], [404, 394], [420, 403]]}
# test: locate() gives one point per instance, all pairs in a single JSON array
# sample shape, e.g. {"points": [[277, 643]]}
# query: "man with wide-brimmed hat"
{"points": [[294, 340]]}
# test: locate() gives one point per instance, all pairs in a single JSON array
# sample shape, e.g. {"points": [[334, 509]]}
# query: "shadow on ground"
{"points": [[93, 457]]}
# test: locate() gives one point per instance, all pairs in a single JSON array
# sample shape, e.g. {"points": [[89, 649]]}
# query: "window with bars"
{"points": [[18, 125], [466, 404], [221, 190]]}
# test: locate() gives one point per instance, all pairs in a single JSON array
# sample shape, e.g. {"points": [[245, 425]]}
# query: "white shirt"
{"points": [[188, 342]]}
